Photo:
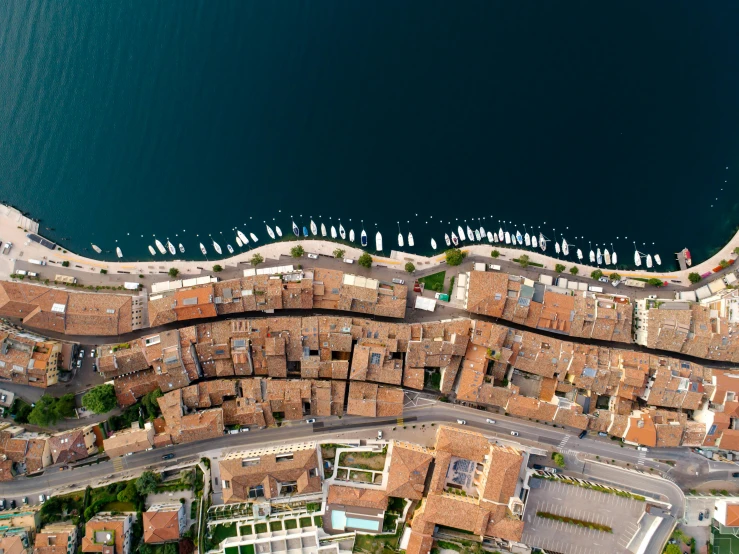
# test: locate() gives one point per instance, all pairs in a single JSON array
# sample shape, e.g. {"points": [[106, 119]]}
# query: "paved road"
{"points": [[54, 481]]}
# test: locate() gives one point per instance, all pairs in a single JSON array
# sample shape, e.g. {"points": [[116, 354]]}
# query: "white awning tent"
{"points": [[423, 303]]}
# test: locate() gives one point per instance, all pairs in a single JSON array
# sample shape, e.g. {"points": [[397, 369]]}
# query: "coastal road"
{"points": [[56, 482]]}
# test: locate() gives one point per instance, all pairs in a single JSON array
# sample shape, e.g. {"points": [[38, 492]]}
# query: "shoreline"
{"points": [[14, 226]]}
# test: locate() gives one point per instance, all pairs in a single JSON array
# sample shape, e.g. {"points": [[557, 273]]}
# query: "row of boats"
{"points": [[455, 238]]}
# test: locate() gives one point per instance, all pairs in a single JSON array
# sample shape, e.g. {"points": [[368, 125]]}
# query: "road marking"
{"points": [[642, 457], [117, 465], [564, 441]]}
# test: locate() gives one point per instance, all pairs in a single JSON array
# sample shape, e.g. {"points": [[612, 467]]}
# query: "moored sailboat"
{"points": [[160, 246], [242, 236], [363, 238], [323, 230], [433, 244], [278, 231], [534, 243], [507, 237], [378, 241], [460, 232], [649, 261], [657, 259], [490, 236], [410, 239], [171, 248], [230, 249], [182, 248], [270, 232], [239, 243], [202, 249], [607, 256], [333, 232], [96, 248], [313, 227], [446, 239], [151, 249], [217, 247], [455, 240], [296, 231], [342, 232], [351, 235], [253, 237], [118, 252]]}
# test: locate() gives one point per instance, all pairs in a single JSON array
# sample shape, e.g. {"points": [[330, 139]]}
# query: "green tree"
{"points": [[65, 406], [597, 274], [524, 260], [65, 263], [672, 549], [614, 277], [297, 251], [21, 416], [558, 459], [147, 482], [257, 259], [150, 404], [574, 270], [495, 254], [173, 272], [724, 263], [694, 277], [559, 268], [655, 282], [410, 268], [217, 268], [129, 494], [454, 256], [736, 250], [100, 399], [339, 253], [365, 260], [45, 412]]}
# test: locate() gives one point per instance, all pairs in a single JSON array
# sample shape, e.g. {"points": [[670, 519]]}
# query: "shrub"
{"points": [[297, 251], [65, 263], [104, 271], [574, 270], [173, 272], [655, 282], [524, 260], [365, 260], [494, 254], [454, 256], [694, 277], [217, 268], [614, 277], [559, 268], [597, 274], [339, 253], [410, 268]]}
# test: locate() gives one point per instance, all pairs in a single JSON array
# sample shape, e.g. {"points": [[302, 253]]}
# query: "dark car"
{"points": [[700, 516], [582, 435], [12, 504], [167, 456], [735, 474], [538, 466]]}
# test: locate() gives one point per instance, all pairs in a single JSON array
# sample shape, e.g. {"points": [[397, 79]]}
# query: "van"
{"points": [[21, 272], [32, 274], [36, 262], [348, 261], [494, 267], [398, 281]]}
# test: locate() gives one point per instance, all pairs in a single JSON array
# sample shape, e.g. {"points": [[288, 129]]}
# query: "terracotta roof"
{"points": [[409, 465], [161, 526], [361, 498]]}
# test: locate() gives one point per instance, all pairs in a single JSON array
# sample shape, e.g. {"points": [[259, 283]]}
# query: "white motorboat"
{"points": [[239, 243], [182, 248], [557, 249], [607, 256], [378, 241], [253, 237], [598, 257], [614, 258], [519, 237], [400, 240], [542, 242], [118, 252], [495, 237], [534, 243], [658, 259], [470, 234], [637, 259], [171, 248], [342, 232], [446, 239], [323, 230], [278, 231], [96, 248], [351, 235], [296, 231], [333, 232], [500, 234], [482, 231], [507, 237], [433, 244], [527, 239], [410, 239], [490, 236], [579, 254], [363, 238], [460, 232], [565, 247], [217, 247], [313, 227], [270, 232], [242, 236], [230, 249], [455, 240], [202, 249], [160, 247], [151, 249], [649, 260], [592, 256], [478, 236]]}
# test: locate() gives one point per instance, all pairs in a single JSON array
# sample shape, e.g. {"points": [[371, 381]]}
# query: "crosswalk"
{"points": [[400, 421], [564, 441], [117, 465], [642, 458]]}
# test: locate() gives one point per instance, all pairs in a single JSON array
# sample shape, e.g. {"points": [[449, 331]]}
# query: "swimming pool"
{"points": [[340, 521]]}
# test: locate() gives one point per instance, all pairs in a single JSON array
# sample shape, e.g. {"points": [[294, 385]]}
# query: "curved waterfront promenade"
{"points": [[11, 230]]}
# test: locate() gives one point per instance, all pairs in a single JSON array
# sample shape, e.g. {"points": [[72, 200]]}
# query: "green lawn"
{"points": [[246, 549], [305, 522], [434, 282], [220, 533], [232, 550], [275, 526], [119, 507], [246, 530], [291, 524], [318, 521], [376, 544], [260, 528]]}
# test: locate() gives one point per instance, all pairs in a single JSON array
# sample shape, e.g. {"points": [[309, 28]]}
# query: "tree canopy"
{"points": [[297, 251], [559, 268], [574, 270], [694, 277], [365, 260], [410, 268], [147, 482], [339, 253], [257, 259], [100, 399], [655, 282], [454, 256], [494, 254], [614, 277], [173, 272], [217, 268], [48, 410], [524, 260], [597, 274]]}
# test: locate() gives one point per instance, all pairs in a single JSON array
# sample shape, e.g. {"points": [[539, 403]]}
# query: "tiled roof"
{"points": [[361, 498], [161, 526], [409, 465]]}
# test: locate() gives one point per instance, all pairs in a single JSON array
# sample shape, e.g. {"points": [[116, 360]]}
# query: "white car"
{"points": [[42, 498], [92, 353], [311, 420], [313, 256], [642, 448], [490, 421], [461, 422], [652, 297], [514, 433], [397, 281], [379, 435]]}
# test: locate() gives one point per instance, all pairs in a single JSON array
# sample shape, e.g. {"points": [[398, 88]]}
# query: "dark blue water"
{"points": [[122, 119]]}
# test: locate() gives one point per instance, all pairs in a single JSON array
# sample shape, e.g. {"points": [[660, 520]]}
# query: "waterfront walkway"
{"points": [[11, 230]]}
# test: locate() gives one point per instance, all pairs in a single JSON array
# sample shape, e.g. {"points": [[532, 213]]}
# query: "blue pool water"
{"points": [[339, 520]]}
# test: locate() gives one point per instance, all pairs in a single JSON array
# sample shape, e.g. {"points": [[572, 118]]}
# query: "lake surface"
{"points": [[184, 118]]}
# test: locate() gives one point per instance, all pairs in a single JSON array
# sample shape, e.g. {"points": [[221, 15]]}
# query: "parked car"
{"points": [[25, 500], [735, 474], [312, 256], [582, 434], [462, 422], [12, 504], [538, 466], [2, 503], [94, 366], [700, 516], [642, 448], [652, 297], [398, 281], [82, 353], [92, 353], [602, 434], [603, 279], [490, 421], [514, 433], [167, 456], [379, 435], [311, 420], [244, 430], [42, 498]]}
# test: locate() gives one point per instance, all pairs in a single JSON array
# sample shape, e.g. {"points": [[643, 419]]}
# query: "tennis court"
{"points": [[724, 543]]}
